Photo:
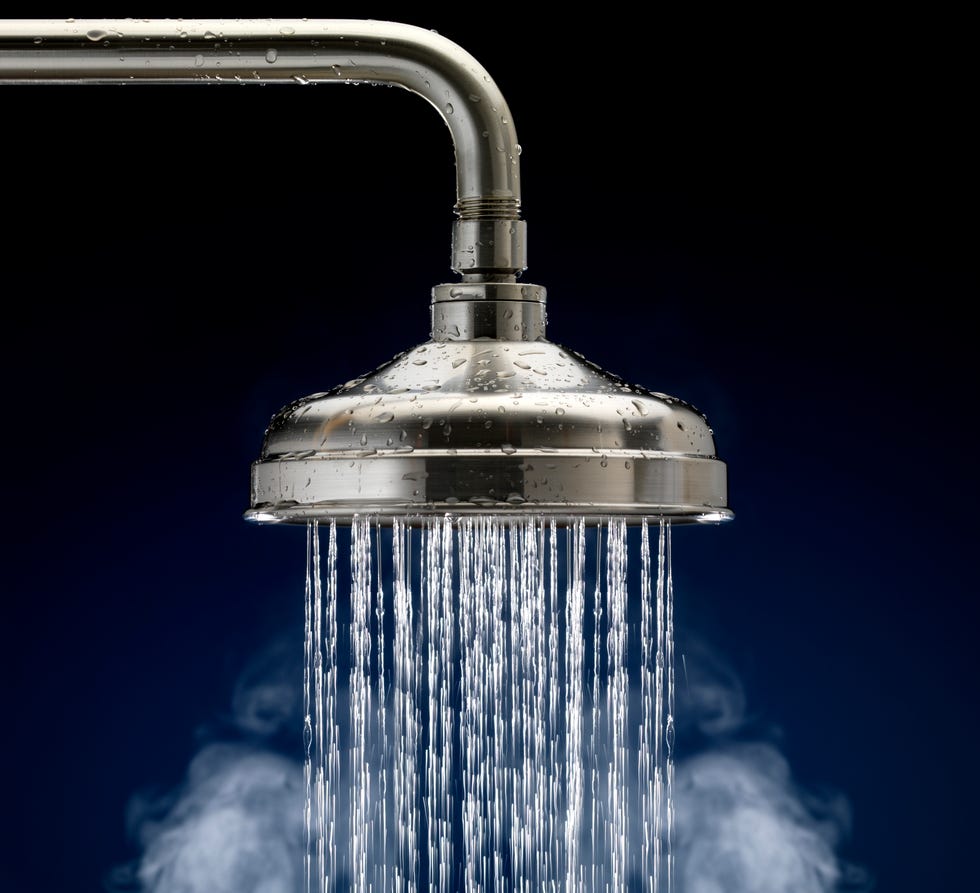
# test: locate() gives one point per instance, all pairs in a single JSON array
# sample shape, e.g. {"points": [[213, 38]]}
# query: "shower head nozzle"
{"points": [[488, 417]]}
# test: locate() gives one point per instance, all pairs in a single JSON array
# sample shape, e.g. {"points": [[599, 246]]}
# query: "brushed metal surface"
{"points": [[489, 425]]}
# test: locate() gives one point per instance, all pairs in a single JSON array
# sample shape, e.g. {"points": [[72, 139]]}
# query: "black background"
{"points": [[768, 217]]}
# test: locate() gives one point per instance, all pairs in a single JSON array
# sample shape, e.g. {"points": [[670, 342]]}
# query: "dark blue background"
{"points": [[766, 218]]}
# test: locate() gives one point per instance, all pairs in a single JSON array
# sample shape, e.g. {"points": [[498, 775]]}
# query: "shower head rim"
{"points": [[560, 512], [512, 427]]}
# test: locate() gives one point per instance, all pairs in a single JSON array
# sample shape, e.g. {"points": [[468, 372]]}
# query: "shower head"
{"points": [[488, 416]]}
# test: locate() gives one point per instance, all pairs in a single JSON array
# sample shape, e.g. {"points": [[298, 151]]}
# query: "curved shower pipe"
{"points": [[488, 236]]}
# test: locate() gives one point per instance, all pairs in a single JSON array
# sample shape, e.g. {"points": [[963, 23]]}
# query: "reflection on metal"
{"points": [[488, 416]]}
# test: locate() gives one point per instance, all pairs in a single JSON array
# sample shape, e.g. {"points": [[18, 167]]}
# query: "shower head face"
{"points": [[488, 425]]}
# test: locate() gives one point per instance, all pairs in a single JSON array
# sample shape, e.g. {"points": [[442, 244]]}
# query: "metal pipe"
{"points": [[488, 238]]}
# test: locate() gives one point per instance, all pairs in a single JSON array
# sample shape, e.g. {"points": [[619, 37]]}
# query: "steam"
{"points": [[744, 827], [742, 824], [266, 700], [236, 823], [236, 826], [710, 694]]}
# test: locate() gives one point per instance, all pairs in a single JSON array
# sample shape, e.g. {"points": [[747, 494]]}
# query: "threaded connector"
{"points": [[483, 208]]}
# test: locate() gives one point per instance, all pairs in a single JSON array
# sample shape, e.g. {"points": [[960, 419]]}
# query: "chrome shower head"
{"points": [[488, 416]]}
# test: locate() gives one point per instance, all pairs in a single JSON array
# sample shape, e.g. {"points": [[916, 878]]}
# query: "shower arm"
{"points": [[488, 244]]}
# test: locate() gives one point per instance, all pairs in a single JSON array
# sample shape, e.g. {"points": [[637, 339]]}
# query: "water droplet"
{"points": [[364, 439], [198, 60], [419, 362], [299, 79], [559, 411], [386, 417], [507, 448], [449, 108], [459, 362], [271, 55], [95, 34], [286, 30], [521, 365], [640, 408]]}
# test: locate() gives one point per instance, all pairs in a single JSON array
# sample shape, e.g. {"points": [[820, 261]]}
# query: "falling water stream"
{"points": [[500, 718]]}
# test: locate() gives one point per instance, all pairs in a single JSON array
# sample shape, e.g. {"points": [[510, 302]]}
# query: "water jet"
{"points": [[487, 438]]}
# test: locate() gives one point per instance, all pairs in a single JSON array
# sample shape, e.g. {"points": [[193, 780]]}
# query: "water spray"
{"points": [[489, 739]]}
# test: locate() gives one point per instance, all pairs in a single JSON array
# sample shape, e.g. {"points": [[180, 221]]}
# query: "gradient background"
{"points": [[767, 218]]}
